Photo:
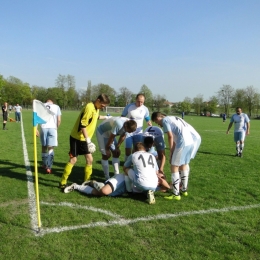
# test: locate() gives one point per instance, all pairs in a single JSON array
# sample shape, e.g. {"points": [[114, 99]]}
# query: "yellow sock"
{"points": [[66, 173], [88, 172]]}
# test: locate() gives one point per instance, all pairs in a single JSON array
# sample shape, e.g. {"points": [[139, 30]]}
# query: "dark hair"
{"points": [[131, 125], [139, 147], [104, 98], [157, 114], [148, 141]]}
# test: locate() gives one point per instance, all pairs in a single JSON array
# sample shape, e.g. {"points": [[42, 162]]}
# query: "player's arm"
{"points": [[162, 158], [229, 127], [58, 121], [110, 141], [247, 128]]}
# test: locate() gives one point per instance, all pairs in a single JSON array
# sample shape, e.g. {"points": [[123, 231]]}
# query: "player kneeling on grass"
{"points": [[106, 136], [143, 175]]}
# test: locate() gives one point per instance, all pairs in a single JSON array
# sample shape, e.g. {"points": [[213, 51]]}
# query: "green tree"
{"points": [[225, 95], [197, 103], [124, 97]]}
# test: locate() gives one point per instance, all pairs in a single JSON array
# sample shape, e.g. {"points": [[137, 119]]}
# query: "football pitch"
{"points": [[218, 220]]}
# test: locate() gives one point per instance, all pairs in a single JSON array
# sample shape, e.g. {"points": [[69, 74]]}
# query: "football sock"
{"points": [[238, 148], [50, 158], [44, 159], [241, 147], [128, 184], [184, 180], [85, 189], [105, 166], [66, 173], [88, 171], [176, 183], [116, 162]]}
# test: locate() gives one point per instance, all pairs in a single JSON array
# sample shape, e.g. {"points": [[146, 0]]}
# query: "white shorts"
{"points": [[239, 136], [140, 185], [102, 141], [182, 155], [196, 146], [49, 137], [117, 184]]}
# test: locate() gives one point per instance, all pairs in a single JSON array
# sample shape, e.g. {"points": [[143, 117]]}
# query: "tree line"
{"points": [[65, 94]]}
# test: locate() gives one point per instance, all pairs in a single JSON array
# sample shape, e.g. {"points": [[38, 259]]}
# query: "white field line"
{"points": [[119, 220], [124, 222], [30, 183]]}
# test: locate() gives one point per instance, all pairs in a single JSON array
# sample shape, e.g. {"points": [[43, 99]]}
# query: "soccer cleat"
{"points": [[240, 155], [70, 188], [48, 171], [184, 193], [173, 197], [62, 186], [150, 196], [85, 183]]}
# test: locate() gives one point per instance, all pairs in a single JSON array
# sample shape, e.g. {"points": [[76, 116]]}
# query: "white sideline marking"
{"points": [[30, 183], [120, 221], [123, 222]]}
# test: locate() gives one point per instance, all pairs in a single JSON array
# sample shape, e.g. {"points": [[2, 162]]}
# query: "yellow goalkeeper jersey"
{"points": [[87, 118]]}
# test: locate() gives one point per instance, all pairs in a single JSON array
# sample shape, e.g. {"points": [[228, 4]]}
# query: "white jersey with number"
{"points": [[145, 168], [180, 130], [52, 123]]}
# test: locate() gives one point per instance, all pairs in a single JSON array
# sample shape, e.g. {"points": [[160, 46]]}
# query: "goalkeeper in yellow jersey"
{"points": [[80, 137]]}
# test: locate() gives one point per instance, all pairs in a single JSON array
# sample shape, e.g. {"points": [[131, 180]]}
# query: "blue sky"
{"points": [[178, 48]]}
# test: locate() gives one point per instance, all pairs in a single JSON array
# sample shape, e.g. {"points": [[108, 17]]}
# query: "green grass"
{"points": [[198, 227]]}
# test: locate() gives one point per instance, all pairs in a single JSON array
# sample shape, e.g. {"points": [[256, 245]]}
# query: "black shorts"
{"points": [[5, 116], [77, 147]]}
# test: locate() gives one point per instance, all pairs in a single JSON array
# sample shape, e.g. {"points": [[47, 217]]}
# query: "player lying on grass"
{"points": [[106, 136], [113, 187]]}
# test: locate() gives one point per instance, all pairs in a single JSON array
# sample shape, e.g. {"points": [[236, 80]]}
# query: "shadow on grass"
{"points": [[218, 154]]}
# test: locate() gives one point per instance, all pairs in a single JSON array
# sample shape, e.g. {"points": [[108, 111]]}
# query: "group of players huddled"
{"points": [[145, 157]]}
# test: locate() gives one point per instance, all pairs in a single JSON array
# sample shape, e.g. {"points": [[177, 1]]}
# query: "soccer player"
{"points": [[5, 115], [181, 147], [80, 137], [18, 110], [153, 137], [137, 111], [49, 136], [241, 129], [144, 173], [114, 186], [106, 136]]}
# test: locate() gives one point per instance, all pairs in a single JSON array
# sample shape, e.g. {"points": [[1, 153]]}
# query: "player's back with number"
{"points": [[145, 167]]}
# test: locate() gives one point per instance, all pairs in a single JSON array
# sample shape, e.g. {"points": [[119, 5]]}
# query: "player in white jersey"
{"points": [[138, 112], [49, 136], [242, 127], [143, 175], [106, 136], [156, 142], [181, 146]]}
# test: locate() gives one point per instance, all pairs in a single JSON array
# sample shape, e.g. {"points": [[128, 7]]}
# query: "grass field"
{"points": [[218, 220]]}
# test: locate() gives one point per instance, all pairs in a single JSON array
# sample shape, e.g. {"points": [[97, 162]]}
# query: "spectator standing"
{"points": [[5, 115], [18, 110]]}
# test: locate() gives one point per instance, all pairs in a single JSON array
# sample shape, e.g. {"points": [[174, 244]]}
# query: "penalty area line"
{"points": [[124, 222]]}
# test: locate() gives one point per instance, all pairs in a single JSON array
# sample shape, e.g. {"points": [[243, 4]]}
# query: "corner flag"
{"points": [[41, 115]]}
